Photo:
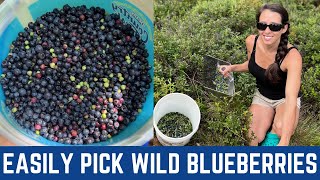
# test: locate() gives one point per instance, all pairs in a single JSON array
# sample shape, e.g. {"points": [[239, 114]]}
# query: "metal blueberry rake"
{"points": [[213, 80]]}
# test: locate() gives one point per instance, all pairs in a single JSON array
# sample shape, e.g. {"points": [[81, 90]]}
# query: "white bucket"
{"points": [[15, 15], [181, 103]]}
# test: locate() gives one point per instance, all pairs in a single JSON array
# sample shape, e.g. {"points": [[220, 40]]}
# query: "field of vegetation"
{"points": [[186, 30]]}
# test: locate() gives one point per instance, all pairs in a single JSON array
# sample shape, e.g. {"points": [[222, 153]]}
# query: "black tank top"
{"points": [[267, 89]]}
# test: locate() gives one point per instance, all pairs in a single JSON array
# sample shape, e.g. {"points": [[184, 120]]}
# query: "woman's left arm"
{"points": [[294, 68]]}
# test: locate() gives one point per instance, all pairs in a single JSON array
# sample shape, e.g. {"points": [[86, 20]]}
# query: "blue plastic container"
{"points": [[16, 14]]}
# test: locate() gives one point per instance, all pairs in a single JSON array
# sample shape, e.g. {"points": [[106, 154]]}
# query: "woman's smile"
{"points": [[267, 37]]}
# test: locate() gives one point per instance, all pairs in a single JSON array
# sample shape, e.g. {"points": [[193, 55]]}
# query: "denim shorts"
{"points": [[264, 101]]}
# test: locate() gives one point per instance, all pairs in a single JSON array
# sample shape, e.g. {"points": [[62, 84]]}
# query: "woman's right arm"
{"points": [[225, 70], [240, 67]]}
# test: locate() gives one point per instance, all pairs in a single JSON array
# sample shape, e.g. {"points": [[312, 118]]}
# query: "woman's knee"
{"points": [[261, 136], [277, 127], [258, 134], [262, 118]]}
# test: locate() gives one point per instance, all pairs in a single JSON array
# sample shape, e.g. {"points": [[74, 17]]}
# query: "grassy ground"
{"points": [[186, 30]]}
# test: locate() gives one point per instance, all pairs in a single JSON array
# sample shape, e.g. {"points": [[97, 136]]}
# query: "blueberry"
{"points": [[47, 95], [22, 92], [27, 124], [96, 134], [85, 132], [51, 137], [89, 140], [29, 112], [91, 47], [104, 137], [17, 72], [43, 130], [38, 49], [47, 117], [35, 116], [114, 116], [67, 141]]}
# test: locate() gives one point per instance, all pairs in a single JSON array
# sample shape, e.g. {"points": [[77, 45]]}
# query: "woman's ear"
{"points": [[285, 28]]}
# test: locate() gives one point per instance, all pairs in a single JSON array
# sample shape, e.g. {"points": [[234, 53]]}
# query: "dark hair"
{"points": [[272, 73]]}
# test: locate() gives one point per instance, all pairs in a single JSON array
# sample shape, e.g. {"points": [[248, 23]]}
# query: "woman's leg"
{"points": [[277, 124], [262, 118]]}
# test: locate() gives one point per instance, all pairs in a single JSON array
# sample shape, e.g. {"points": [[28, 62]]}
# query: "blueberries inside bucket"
{"points": [[77, 75]]}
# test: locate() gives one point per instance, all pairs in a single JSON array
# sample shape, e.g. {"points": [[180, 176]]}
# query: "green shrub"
{"points": [[307, 132], [185, 31], [222, 127], [311, 85], [172, 9], [163, 87]]}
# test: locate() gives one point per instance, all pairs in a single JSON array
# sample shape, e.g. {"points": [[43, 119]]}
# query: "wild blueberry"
{"points": [[58, 78], [38, 49]]}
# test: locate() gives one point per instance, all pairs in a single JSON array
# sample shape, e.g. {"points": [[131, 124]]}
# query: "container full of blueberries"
{"points": [[76, 72]]}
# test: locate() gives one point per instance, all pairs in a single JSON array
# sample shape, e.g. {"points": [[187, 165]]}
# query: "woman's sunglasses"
{"points": [[272, 27]]}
